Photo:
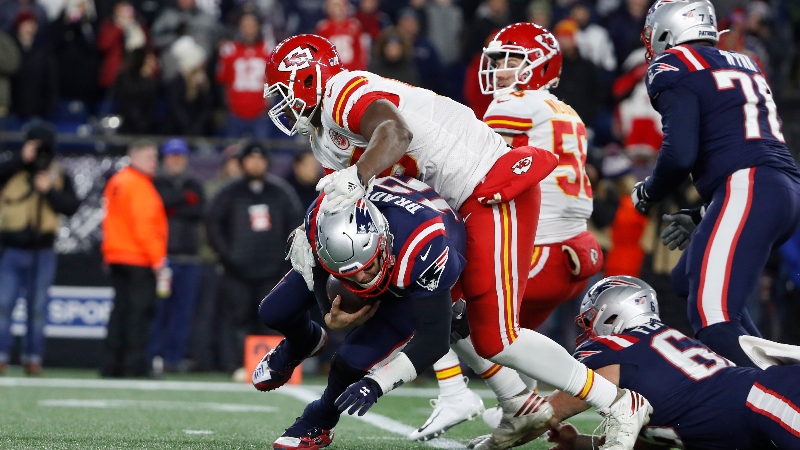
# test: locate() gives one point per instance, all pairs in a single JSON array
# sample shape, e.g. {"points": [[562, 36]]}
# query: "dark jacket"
{"points": [[60, 199], [35, 85], [78, 60], [189, 117], [185, 202], [249, 230]]}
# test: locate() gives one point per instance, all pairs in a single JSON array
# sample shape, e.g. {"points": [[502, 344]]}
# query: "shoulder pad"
{"points": [[666, 71], [341, 93], [509, 113]]}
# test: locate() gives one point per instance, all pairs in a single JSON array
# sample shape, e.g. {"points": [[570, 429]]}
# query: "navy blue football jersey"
{"points": [[739, 125], [429, 237], [698, 397]]}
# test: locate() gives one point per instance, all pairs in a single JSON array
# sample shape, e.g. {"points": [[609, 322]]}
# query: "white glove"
{"points": [[342, 188], [300, 255]]}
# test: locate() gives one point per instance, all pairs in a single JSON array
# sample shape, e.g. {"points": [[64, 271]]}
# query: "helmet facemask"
{"points": [[382, 279], [301, 120], [523, 73]]}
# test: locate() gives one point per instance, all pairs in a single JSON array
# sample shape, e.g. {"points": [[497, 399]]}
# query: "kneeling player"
{"points": [[700, 399]]}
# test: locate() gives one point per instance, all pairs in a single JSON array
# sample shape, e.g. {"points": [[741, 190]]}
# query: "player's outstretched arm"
{"points": [[389, 137]]}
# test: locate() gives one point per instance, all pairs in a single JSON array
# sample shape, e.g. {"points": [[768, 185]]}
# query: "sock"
{"points": [[298, 346], [323, 413], [723, 338], [448, 375], [530, 382], [554, 366], [504, 382]]}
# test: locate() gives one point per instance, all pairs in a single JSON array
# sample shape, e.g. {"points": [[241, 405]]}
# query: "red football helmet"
{"points": [[297, 71], [539, 50]]}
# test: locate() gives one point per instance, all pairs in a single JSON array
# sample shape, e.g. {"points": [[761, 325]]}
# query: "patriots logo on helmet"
{"points": [[364, 222], [297, 59], [429, 279], [657, 68], [597, 290], [586, 353], [522, 166]]}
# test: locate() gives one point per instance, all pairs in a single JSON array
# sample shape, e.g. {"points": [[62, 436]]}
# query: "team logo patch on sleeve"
{"points": [[657, 68], [338, 139], [522, 166], [429, 279]]}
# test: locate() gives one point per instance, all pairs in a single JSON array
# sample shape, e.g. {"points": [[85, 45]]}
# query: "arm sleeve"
{"points": [[680, 117], [64, 201], [321, 289]]}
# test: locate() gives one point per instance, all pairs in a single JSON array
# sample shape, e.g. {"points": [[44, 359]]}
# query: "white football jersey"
{"points": [[539, 119], [451, 151]]}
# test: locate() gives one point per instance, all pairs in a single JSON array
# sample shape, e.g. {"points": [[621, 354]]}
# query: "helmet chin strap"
{"points": [[304, 125]]}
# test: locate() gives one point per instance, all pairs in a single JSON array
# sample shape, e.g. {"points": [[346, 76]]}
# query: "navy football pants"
{"points": [[755, 210], [775, 401], [286, 309]]}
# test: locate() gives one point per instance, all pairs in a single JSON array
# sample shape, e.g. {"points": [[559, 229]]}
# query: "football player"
{"points": [[701, 400], [410, 130], [402, 244], [519, 66], [721, 127]]}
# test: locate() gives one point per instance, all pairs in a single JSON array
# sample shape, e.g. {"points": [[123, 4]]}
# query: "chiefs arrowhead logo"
{"points": [[522, 166], [297, 59]]}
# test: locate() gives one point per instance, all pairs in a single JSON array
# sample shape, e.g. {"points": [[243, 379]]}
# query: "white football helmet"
{"points": [[673, 22], [348, 240], [614, 304]]}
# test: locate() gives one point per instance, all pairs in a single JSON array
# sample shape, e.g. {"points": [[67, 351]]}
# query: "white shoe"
{"points": [[493, 416], [448, 411], [623, 420], [522, 414]]}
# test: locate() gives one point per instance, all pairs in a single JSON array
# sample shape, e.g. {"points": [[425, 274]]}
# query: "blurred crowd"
{"points": [[196, 68]]}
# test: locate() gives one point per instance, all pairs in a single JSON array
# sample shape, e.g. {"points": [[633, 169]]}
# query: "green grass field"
{"points": [[68, 409]]}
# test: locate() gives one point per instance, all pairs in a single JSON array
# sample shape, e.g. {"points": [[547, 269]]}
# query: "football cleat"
{"points": [[267, 377], [522, 414], [448, 411], [302, 436], [623, 420]]}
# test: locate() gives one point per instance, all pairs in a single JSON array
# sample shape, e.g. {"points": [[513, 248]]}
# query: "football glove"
{"points": [[639, 196], [359, 396], [681, 226], [298, 252], [342, 188], [459, 325]]}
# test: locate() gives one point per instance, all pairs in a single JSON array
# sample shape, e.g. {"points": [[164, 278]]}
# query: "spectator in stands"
{"points": [[185, 19], [35, 191], [240, 70], [637, 123], [34, 87], [205, 345], [248, 223], [625, 255], [74, 42], [184, 200], [135, 92], [625, 25], [303, 16], [445, 23], [11, 9], [344, 31], [425, 56], [578, 86], [306, 172], [190, 97], [594, 42], [119, 34], [9, 64], [372, 19], [135, 248], [393, 57], [491, 15], [540, 12]]}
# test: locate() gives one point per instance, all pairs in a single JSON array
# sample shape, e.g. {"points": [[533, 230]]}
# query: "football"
{"points": [[350, 302]]}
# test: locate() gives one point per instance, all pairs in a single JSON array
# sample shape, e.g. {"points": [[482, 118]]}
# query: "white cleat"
{"points": [[493, 416], [623, 420], [448, 411], [521, 415]]}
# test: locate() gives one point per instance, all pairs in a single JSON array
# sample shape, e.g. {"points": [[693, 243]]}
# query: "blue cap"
{"points": [[175, 146]]}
